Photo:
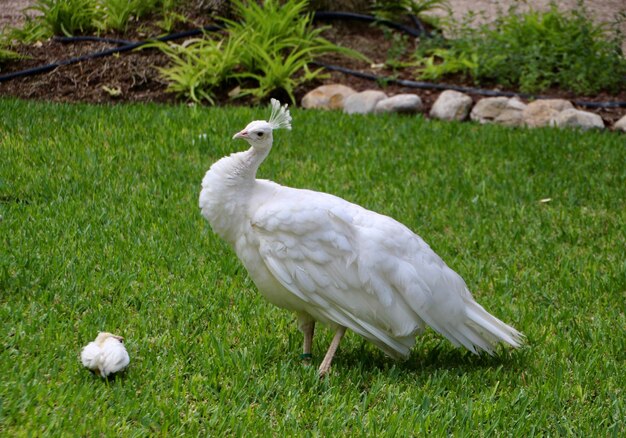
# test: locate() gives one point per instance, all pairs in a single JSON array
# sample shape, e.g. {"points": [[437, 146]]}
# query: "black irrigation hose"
{"points": [[419, 25], [73, 39], [103, 53], [462, 89], [319, 15], [418, 84], [335, 15]]}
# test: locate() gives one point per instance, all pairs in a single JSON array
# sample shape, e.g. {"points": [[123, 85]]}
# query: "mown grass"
{"points": [[100, 231]]}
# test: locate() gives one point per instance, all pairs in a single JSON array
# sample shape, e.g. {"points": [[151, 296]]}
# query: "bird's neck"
{"points": [[241, 167], [226, 190]]}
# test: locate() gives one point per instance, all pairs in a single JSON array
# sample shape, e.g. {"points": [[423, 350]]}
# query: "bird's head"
{"points": [[259, 132], [103, 336]]}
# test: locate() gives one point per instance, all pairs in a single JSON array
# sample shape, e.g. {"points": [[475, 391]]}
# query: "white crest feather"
{"points": [[280, 117]]}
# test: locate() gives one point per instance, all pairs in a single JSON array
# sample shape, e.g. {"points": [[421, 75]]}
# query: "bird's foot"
{"points": [[323, 371], [306, 358]]}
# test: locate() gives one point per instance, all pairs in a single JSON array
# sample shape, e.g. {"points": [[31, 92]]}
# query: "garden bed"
{"points": [[134, 76]]}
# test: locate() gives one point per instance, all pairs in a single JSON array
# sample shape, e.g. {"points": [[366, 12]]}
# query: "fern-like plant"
{"points": [[279, 42], [396, 10], [7, 55], [66, 17], [199, 66], [269, 49], [277, 72], [71, 17], [116, 14]]}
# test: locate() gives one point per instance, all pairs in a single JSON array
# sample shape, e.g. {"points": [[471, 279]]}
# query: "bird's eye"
{"points": [[260, 134]]}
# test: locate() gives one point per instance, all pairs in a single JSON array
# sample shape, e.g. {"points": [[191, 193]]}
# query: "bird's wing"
{"points": [[369, 273], [353, 267], [90, 356], [114, 357]]}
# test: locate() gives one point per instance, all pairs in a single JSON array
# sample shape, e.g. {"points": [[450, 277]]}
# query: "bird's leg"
{"points": [[325, 366], [308, 329], [306, 324]]}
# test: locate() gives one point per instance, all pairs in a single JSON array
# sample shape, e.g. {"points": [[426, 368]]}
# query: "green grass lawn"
{"points": [[101, 230]]}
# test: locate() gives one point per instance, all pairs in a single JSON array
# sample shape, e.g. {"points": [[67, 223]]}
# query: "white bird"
{"points": [[335, 262], [105, 355]]}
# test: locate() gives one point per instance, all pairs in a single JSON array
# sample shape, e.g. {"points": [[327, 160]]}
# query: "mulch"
{"points": [[134, 76]]}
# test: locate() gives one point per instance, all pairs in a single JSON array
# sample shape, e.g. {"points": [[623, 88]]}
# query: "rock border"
{"points": [[454, 105]]}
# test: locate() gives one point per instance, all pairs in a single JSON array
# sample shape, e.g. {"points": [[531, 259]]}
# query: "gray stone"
{"points": [[620, 125], [363, 102], [543, 112], [487, 109], [400, 103], [327, 97], [578, 119], [512, 114], [451, 105], [507, 111]]}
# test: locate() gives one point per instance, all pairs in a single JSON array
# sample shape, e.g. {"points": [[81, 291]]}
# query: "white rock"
{"points": [[488, 108], [620, 125], [543, 112], [512, 114], [578, 119], [510, 117], [451, 105], [363, 102], [327, 97], [507, 111], [400, 103]]}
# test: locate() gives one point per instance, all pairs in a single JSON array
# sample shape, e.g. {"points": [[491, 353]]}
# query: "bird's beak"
{"points": [[241, 134]]}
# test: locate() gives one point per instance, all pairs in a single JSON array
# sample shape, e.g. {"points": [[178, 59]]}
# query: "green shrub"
{"points": [[397, 50], [398, 9], [170, 18], [33, 29], [199, 66], [116, 14], [271, 45], [277, 72], [533, 51], [278, 43], [66, 17], [71, 17], [7, 55]]}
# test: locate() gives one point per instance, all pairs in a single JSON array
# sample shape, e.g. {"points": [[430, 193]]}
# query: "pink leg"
{"points": [[325, 366]]}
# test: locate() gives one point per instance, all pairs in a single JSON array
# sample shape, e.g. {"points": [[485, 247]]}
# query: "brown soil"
{"points": [[134, 77], [129, 77]]}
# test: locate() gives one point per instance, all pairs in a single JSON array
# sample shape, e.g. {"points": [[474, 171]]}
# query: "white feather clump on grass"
{"points": [[106, 355]]}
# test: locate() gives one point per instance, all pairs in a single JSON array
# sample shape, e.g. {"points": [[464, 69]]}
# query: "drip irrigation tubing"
{"points": [[76, 39], [417, 31], [462, 89], [103, 53]]}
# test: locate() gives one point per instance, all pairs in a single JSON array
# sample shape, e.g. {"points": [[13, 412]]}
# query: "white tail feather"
{"points": [[488, 329], [280, 117]]}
